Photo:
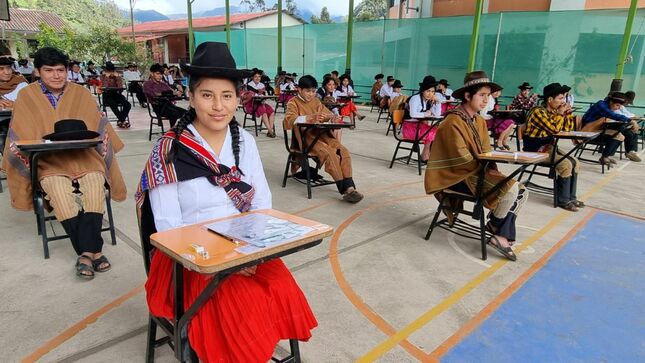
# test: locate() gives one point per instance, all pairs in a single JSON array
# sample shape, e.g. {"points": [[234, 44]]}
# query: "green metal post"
{"points": [[132, 21], [350, 33], [474, 38], [191, 35], [279, 36], [617, 83], [228, 23]]}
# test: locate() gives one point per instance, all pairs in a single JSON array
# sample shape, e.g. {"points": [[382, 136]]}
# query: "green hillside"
{"points": [[81, 15]]}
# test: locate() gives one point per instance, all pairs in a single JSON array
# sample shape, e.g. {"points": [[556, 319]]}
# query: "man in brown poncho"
{"points": [[74, 181], [307, 108], [453, 163]]}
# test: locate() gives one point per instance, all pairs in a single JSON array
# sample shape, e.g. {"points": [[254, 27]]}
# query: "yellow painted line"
{"points": [[454, 298]]}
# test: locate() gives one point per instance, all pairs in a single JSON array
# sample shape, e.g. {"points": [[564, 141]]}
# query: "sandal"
{"points": [[506, 147], [96, 264], [506, 251], [123, 124], [83, 270]]}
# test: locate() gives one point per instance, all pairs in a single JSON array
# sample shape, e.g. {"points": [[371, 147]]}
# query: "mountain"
{"points": [[218, 11], [142, 16]]}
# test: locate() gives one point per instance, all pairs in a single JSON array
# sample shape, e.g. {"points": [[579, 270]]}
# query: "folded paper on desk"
{"points": [[517, 154], [259, 231]]}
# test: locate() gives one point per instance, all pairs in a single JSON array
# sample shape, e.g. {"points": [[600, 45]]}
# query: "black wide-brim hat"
{"points": [[71, 129], [524, 86], [475, 79], [214, 59], [552, 90], [7, 60], [397, 84], [427, 83]]}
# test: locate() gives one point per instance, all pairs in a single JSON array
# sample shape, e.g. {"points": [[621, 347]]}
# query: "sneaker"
{"points": [[633, 157], [612, 161], [353, 197]]}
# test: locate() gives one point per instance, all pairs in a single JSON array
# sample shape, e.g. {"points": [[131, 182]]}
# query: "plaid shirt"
{"points": [[542, 122], [523, 103], [601, 109], [50, 96]]}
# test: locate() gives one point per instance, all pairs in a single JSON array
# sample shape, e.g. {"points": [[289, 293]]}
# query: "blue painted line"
{"points": [[587, 304]]}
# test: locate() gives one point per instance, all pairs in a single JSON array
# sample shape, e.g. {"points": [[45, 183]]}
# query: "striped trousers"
{"points": [[68, 197]]}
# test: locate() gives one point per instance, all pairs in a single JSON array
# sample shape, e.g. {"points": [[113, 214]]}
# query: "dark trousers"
{"points": [[169, 111], [611, 145], [84, 231], [631, 140], [118, 104], [4, 130], [136, 89]]}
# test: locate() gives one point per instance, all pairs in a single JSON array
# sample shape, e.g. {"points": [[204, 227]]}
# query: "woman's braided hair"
{"points": [[189, 117]]}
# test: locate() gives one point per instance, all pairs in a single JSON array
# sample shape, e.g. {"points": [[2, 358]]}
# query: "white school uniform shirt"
{"points": [[169, 79], [441, 98], [75, 77], [490, 105], [570, 100], [196, 200], [258, 86], [26, 70], [11, 96], [283, 87], [349, 91], [418, 110], [447, 92], [131, 76], [624, 111], [386, 90]]}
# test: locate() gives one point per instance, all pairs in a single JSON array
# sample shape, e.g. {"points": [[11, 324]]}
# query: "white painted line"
{"points": [[451, 240]]}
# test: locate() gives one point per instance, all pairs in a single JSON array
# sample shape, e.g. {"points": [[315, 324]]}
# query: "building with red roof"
{"points": [[168, 39]]}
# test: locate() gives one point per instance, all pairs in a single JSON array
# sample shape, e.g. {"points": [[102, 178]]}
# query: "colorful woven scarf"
{"points": [[192, 161]]}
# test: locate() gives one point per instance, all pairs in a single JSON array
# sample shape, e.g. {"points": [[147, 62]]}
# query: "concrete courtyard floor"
{"points": [[378, 289]]}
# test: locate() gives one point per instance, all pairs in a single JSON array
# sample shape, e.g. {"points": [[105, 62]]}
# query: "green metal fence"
{"points": [[578, 48]]}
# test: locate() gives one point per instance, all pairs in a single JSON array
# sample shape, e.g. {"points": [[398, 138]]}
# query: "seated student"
{"points": [[266, 81], [132, 74], [328, 93], [524, 100], [334, 75], [386, 92], [155, 88], [260, 109], [544, 121], [92, 75], [345, 89], [74, 181], [453, 162], [422, 105], [169, 78], [74, 74], [501, 128], [286, 84], [26, 69], [217, 172], [10, 85], [396, 91], [602, 111], [376, 88], [444, 95], [630, 134], [306, 107], [113, 98]]}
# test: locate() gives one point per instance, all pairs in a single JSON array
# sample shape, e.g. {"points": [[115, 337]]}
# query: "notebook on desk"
{"points": [[259, 230]]}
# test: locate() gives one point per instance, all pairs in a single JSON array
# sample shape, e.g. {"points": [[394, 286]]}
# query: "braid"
{"points": [[180, 126], [235, 136]]}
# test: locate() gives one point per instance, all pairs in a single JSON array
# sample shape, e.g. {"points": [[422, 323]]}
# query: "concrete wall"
{"points": [[271, 21], [557, 5], [611, 4], [495, 6]]}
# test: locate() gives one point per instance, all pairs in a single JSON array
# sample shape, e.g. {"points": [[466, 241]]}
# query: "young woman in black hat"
{"points": [[212, 168], [422, 105]]}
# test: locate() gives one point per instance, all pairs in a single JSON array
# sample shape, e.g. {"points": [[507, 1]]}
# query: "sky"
{"points": [[336, 7]]}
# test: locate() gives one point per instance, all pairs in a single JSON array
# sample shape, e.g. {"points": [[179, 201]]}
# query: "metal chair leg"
{"points": [[434, 220], [40, 214], [286, 171], [295, 350], [110, 218], [396, 151], [152, 339], [482, 231], [308, 176]]}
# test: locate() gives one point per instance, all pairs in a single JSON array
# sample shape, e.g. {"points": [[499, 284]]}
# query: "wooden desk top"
{"points": [[576, 134], [514, 157], [222, 252]]}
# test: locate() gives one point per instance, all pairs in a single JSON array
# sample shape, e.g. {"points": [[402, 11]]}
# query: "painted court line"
{"points": [[454, 298], [504, 295]]}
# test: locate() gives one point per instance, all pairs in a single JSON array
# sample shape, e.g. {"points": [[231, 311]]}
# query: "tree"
{"points": [[291, 7], [324, 18], [254, 5], [81, 15], [370, 10]]}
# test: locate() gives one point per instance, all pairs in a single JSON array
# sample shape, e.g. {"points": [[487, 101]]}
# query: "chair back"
{"points": [[145, 220], [397, 116]]}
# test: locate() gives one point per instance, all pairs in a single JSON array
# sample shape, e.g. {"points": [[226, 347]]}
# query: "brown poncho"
{"points": [[453, 157], [10, 85], [33, 117]]}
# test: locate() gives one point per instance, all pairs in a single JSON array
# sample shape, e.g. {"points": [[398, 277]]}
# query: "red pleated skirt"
{"points": [[348, 109], [245, 318]]}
